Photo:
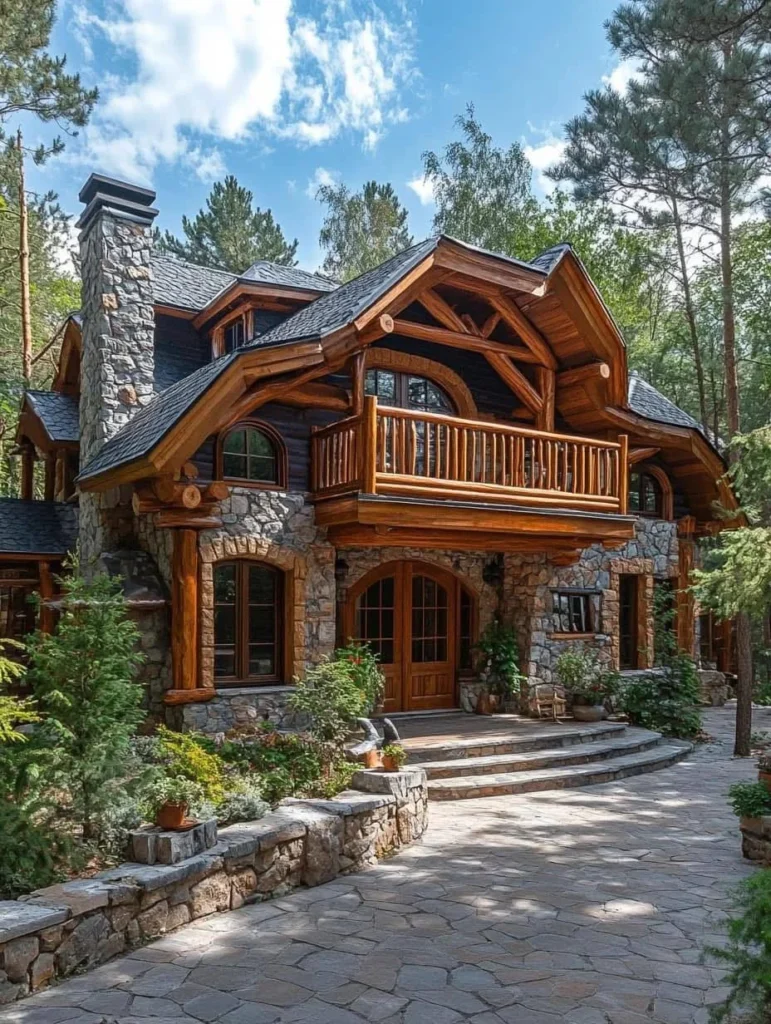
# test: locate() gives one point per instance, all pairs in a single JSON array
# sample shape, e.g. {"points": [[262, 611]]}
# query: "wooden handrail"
{"points": [[387, 450]]}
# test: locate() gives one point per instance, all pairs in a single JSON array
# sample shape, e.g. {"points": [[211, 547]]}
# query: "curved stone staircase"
{"points": [[557, 756]]}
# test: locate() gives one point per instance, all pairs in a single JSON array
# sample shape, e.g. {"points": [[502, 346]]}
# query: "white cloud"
{"points": [[423, 189], [544, 155], [208, 71], [321, 177], [621, 75]]}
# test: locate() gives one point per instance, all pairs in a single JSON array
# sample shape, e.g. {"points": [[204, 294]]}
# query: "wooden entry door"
{"points": [[407, 613]]}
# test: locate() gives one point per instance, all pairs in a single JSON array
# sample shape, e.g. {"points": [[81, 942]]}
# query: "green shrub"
{"points": [[336, 777], [499, 659], [665, 701], [749, 799], [182, 755], [332, 698], [585, 678], [83, 680], [173, 789], [748, 953], [32, 853], [242, 803], [365, 672], [286, 763]]}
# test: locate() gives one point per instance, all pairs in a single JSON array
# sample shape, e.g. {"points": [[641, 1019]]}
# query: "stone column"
{"points": [[117, 362]]}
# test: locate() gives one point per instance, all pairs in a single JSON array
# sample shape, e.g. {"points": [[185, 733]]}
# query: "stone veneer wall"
{"points": [[66, 928], [278, 528], [530, 579]]}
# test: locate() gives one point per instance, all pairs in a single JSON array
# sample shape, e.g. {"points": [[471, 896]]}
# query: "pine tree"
{"points": [[83, 681], [361, 229], [230, 233]]}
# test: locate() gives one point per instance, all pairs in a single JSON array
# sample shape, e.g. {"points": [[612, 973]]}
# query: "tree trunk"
{"points": [[742, 742], [690, 315], [26, 317]]}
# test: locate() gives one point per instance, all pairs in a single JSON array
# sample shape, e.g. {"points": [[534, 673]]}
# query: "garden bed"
{"points": [[65, 928]]}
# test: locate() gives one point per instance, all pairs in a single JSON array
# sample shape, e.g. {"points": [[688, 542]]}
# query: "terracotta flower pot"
{"points": [[765, 778], [483, 704], [751, 825], [171, 816], [390, 764], [372, 759]]}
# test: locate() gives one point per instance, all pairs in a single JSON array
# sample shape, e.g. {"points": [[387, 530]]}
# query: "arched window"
{"points": [[248, 623], [646, 495], [407, 391], [253, 454]]}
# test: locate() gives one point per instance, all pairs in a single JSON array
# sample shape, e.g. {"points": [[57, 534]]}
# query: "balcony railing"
{"points": [[391, 451]]}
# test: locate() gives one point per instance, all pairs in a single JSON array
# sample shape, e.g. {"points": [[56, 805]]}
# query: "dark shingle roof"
{"points": [[37, 527], [645, 400], [153, 421], [58, 414], [549, 258], [343, 305], [265, 272], [186, 285]]}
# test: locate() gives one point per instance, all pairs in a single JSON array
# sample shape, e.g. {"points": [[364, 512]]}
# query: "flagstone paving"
{"points": [[589, 906]]}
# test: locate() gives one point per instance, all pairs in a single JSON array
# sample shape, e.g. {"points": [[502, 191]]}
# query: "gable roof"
{"points": [[265, 272], [58, 413], [37, 527]]}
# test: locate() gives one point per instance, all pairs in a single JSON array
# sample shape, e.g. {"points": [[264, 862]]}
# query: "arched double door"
{"points": [[410, 614]]}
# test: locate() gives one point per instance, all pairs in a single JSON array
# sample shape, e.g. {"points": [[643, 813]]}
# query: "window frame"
{"points": [[592, 616], [241, 640], [402, 389], [282, 466], [663, 487]]}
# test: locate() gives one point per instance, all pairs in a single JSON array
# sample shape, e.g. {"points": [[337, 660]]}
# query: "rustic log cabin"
{"points": [[277, 464]]}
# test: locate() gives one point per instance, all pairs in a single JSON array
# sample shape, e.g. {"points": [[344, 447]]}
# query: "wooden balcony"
{"points": [[433, 460]]}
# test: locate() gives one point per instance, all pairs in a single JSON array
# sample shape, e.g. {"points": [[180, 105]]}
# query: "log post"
{"points": [[368, 436], [546, 382], [60, 476], [184, 610], [358, 371], [46, 594], [27, 472], [623, 474], [49, 487]]}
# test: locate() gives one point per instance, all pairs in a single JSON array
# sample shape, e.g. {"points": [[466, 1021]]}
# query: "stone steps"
{"points": [[631, 741], [537, 737], [609, 769]]}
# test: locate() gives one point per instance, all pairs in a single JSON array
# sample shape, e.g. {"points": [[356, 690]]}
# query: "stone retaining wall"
{"points": [[756, 839], [70, 927]]}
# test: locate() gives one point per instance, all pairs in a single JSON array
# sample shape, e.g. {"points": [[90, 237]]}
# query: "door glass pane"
{"points": [[225, 620], [262, 626], [375, 619], [429, 620], [381, 383]]}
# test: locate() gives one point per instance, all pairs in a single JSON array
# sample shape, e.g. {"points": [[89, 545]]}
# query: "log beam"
{"points": [[516, 380], [545, 378], [442, 311], [642, 454], [518, 322], [588, 373], [456, 339]]}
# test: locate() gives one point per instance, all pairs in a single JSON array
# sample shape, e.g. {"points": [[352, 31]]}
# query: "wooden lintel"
{"points": [[180, 517], [362, 535], [454, 339], [197, 696], [515, 380], [641, 454], [519, 323]]}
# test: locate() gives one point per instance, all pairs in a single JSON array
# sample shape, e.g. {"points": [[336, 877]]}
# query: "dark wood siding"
{"points": [[294, 425]]}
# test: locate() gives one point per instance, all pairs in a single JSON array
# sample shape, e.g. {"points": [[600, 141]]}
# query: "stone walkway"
{"points": [[588, 906]]}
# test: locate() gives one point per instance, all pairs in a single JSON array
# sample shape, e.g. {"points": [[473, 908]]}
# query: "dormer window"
{"points": [[252, 454], [234, 335]]}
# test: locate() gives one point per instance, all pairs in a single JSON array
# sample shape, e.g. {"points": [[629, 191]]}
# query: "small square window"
{"points": [[575, 611]]}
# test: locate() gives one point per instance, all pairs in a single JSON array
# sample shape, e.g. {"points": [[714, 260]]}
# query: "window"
{"points": [[575, 611], [17, 612], [406, 391], [248, 620], [629, 646], [252, 454], [233, 336], [645, 497], [375, 618]]}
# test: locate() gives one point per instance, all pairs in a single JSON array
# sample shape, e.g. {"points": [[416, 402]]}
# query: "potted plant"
{"points": [[499, 672], [394, 756], [750, 801], [588, 682], [171, 797], [372, 758], [764, 770]]}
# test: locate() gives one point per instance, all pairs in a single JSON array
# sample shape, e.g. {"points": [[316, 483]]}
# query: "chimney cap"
{"points": [[116, 189]]}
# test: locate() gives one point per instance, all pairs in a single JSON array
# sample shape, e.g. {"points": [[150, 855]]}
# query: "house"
{"points": [[276, 464]]}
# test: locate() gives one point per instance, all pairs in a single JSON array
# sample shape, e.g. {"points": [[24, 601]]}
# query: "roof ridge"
{"points": [[155, 253]]}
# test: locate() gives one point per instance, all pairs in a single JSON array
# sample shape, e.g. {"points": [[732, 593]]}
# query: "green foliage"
{"points": [[396, 752], [365, 671], [335, 693], [14, 711], [172, 789], [748, 953], [83, 679], [183, 757], [231, 233], [286, 763], [499, 659], [584, 676], [361, 229], [31, 854], [244, 802], [749, 799]]}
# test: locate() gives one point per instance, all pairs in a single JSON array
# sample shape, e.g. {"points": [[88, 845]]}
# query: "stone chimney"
{"points": [[117, 360]]}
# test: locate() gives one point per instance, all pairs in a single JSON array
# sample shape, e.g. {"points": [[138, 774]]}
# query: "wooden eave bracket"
{"points": [[642, 454]]}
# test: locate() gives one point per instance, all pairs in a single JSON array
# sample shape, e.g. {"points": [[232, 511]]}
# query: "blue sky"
{"points": [[287, 93]]}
